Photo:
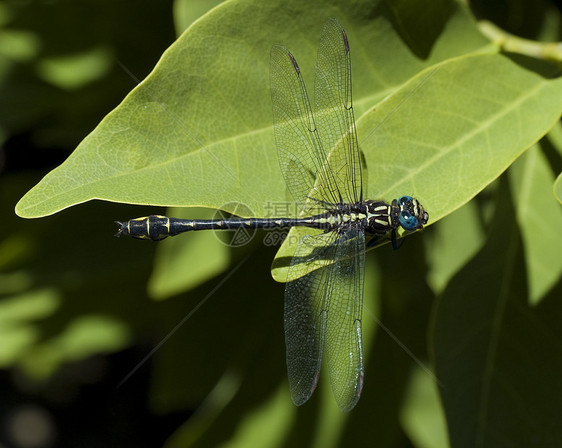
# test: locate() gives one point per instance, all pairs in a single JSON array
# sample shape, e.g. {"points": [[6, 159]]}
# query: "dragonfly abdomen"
{"points": [[158, 227]]}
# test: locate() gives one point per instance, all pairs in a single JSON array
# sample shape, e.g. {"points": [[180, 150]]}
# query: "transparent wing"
{"points": [[302, 157], [334, 112], [306, 314], [323, 305], [323, 313], [343, 307], [319, 159]]}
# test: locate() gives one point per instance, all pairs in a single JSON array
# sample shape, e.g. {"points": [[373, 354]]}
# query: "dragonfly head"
{"points": [[411, 215]]}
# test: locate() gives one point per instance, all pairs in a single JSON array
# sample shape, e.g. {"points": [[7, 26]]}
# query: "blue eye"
{"points": [[403, 199], [407, 220]]}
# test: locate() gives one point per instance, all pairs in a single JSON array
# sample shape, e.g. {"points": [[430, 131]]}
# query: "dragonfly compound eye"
{"points": [[403, 199], [407, 220]]}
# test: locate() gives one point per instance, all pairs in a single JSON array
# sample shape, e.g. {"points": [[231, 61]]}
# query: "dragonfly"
{"points": [[321, 163]]}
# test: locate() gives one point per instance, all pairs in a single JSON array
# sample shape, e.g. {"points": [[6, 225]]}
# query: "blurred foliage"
{"points": [[460, 325]]}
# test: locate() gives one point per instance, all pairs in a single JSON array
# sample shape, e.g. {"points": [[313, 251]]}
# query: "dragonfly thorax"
{"points": [[381, 217], [405, 212]]}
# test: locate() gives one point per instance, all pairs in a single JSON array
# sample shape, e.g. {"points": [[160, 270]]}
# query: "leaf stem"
{"points": [[550, 51]]}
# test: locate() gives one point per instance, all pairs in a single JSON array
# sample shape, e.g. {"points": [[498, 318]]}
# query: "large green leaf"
{"points": [[197, 131]]}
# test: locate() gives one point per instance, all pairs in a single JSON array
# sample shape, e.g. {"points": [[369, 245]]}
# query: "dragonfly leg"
{"points": [[373, 241], [392, 238], [394, 242]]}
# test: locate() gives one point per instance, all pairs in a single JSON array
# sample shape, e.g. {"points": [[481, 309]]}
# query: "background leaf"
{"points": [[457, 238], [422, 416], [483, 331], [555, 142], [558, 188], [531, 184], [170, 276]]}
